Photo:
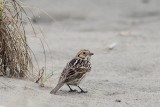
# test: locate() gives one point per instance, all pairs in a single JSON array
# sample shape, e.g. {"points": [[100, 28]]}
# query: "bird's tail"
{"points": [[59, 85]]}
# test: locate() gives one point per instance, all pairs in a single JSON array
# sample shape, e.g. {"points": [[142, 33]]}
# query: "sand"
{"points": [[125, 38]]}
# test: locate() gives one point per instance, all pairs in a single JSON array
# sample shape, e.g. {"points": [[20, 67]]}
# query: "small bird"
{"points": [[75, 71]]}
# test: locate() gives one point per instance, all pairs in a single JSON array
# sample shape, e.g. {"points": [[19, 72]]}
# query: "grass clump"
{"points": [[15, 60]]}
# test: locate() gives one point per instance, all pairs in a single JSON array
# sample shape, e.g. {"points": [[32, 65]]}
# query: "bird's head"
{"points": [[84, 54]]}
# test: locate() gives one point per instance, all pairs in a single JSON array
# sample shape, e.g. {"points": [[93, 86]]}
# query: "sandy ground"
{"points": [[125, 76]]}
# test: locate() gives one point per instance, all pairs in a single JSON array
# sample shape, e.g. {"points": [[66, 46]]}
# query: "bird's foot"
{"points": [[72, 90], [82, 91]]}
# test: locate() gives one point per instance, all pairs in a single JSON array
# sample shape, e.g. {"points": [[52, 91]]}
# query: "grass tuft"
{"points": [[15, 58]]}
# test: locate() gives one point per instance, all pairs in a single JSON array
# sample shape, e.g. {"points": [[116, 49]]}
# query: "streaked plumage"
{"points": [[75, 71]]}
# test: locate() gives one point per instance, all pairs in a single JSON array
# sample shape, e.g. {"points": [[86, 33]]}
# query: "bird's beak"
{"points": [[91, 54]]}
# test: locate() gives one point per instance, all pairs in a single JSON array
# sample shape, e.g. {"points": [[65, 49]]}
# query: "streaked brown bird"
{"points": [[75, 71]]}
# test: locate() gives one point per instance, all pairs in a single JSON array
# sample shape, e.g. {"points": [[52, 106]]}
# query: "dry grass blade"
{"points": [[15, 60]]}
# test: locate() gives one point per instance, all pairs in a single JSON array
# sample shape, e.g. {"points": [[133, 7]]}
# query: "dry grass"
{"points": [[15, 60]]}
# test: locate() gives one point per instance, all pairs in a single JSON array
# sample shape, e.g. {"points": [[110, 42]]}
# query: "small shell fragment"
{"points": [[112, 46]]}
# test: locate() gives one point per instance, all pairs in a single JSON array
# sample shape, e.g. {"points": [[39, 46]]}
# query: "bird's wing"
{"points": [[76, 73], [75, 69]]}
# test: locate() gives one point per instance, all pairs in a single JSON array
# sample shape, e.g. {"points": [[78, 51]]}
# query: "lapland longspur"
{"points": [[75, 71]]}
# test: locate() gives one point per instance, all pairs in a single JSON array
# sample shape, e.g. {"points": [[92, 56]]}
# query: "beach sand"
{"points": [[125, 39]]}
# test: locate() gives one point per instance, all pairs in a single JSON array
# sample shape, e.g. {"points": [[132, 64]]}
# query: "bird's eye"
{"points": [[84, 53]]}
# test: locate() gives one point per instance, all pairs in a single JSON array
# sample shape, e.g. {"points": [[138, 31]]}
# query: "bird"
{"points": [[75, 71]]}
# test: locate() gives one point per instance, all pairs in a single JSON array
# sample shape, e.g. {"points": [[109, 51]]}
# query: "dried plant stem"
{"points": [[1, 8]]}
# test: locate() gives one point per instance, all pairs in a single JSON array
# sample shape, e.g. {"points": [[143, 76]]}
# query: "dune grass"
{"points": [[15, 59]]}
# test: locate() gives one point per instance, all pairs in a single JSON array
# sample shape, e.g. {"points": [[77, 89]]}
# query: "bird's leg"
{"points": [[82, 91], [71, 90]]}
